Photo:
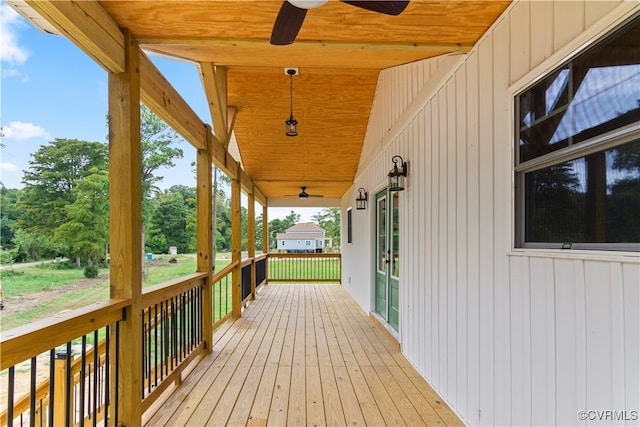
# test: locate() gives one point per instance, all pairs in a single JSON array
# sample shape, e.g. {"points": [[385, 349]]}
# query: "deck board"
{"points": [[303, 355]]}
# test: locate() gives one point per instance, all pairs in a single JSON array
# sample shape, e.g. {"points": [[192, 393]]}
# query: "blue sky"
{"points": [[51, 89]]}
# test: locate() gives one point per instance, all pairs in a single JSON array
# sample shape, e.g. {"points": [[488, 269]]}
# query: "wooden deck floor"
{"points": [[303, 355]]}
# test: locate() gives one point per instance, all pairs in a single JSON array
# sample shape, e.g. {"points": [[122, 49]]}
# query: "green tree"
{"points": [[169, 220], [48, 200], [9, 214], [329, 220], [32, 246], [223, 223], [53, 174], [156, 140], [259, 231], [86, 231]]}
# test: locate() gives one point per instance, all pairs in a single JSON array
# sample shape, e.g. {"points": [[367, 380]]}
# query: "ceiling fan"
{"points": [[292, 13], [303, 194]]}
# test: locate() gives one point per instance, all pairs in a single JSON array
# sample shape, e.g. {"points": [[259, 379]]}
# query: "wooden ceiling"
{"points": [[339, 51]]}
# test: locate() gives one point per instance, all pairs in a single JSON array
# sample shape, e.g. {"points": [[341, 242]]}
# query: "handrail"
{"points": [[305, 255], [24, 342], [161, 292], [226, 270], [304, 267]]}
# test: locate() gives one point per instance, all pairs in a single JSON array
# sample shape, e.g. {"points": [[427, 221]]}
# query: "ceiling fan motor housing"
{"points": [[307, 4]]}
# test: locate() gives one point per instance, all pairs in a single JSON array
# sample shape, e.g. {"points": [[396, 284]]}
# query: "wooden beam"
{"points": [[125, 226], [318, 45], [236, 255], [260, 197], [87, 25], [205, 237], [166, 102], [214, 80], [232, 112], [245, 182], [218, 153]]}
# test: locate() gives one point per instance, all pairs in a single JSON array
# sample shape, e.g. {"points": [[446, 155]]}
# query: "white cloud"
{"points": [[23, 131], [11, 53], [9, 167]]}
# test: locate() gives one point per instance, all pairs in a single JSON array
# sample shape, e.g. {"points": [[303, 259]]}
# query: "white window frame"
{"points": [[599, 143]]}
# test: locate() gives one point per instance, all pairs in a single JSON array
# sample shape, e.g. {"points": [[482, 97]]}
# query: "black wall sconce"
{"points": [[397, 175], [361, 200]]}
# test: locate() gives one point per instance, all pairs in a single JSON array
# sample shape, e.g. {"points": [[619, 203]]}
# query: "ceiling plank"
{"points": [[89, 26]]}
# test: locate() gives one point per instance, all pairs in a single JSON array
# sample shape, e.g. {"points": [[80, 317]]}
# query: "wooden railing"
{"points": [[305, 268], [172, 332], [222, 284], [80, 384], [77, 389]]}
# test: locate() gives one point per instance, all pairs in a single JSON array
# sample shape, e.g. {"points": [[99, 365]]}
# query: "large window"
{"points": [[577, 163]]}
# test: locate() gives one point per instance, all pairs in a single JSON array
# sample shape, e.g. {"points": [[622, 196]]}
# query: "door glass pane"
{"points": [[381, 232], [395, 235]]}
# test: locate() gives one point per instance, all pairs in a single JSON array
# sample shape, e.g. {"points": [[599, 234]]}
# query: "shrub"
{"points": [[7, 256], [10, 272], [91, 272], [63, 265]]}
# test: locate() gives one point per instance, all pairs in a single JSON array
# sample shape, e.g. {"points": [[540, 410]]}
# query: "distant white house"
{"points": [[301, 238]]}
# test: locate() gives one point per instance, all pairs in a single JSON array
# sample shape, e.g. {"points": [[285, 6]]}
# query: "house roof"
{"points": [[305, 227]]}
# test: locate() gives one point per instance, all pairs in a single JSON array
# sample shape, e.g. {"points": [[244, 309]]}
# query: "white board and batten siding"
{"points": [[506, 337]]}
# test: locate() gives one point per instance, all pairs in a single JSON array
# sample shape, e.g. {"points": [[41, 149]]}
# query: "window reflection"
{"points": [[395, 260], [382, 234], [592, 199], [589, 96]]}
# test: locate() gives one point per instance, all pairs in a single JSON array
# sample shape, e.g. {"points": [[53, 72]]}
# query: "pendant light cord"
{"points": [[291, 94]]}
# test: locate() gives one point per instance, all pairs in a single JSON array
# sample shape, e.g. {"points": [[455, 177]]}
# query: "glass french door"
{"points": [[387, 301]]}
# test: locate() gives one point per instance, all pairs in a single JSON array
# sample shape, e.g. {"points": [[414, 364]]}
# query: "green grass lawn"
{"points": [[44, 290]]}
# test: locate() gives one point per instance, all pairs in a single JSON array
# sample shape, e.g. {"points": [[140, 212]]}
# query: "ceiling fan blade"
{"points": [[387, 7], [288, 24]]}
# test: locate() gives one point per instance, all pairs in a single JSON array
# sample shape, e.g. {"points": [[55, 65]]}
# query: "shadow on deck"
{"points": [[302, 355]]}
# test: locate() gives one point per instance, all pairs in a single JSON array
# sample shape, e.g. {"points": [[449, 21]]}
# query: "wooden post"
{"points": [[204, 234], [251, 239], [265, 242], [236, 254], [60, 381], [265, 230], [125, 228]]}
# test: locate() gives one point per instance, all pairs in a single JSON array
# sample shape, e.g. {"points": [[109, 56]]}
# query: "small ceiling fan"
{"points": [[292, 13], [303, 194]]}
